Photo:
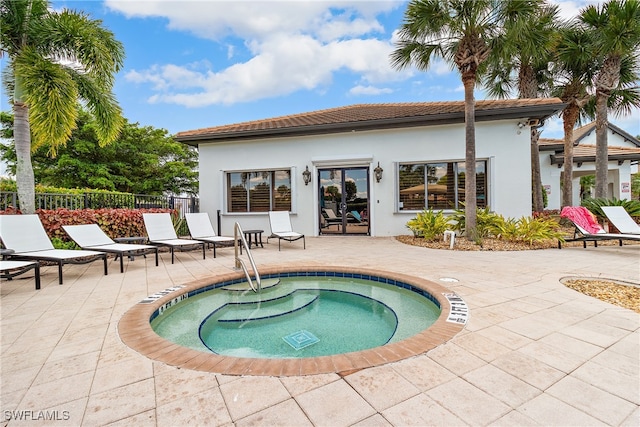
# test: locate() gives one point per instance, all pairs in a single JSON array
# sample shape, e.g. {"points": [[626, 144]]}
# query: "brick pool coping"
{"points": [[134, 329]]}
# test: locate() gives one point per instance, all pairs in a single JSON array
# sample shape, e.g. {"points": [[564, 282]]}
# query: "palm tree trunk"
{"points": [[528, 88], [569, 118], [24, 170], [468, 80], [602, 155], [536, 180]]}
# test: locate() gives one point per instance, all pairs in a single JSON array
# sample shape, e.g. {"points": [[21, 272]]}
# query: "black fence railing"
{"points": [[100, 201]]}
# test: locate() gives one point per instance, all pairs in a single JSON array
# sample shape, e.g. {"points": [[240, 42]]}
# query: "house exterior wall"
{"points": [[506, 150], [619, 176]]}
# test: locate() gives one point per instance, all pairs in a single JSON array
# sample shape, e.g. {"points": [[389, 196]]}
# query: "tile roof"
{"points": [[583, 131], [376, 116], [587, 153]]}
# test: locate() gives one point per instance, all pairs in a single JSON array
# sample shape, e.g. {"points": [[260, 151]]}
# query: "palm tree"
{"points": [[55, 60], [616, 28], [461, 33], [574, 68], [520, 61]]}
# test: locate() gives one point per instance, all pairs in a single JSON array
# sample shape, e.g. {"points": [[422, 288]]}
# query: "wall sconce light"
{"points": [[378, 172], [306, 175], [521, 125]]}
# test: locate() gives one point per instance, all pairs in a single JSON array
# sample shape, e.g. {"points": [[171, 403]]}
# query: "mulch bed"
{"points": [[627, 296]]}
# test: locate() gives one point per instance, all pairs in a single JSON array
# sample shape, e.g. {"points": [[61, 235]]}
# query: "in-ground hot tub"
{"points": [[315, 320]]}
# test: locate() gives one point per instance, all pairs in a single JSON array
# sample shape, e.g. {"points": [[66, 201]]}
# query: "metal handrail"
{"points": [[238, 234]]}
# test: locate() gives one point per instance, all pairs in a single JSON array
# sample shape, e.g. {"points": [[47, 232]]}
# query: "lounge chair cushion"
{"points": [[200, 228], [620, 218]]}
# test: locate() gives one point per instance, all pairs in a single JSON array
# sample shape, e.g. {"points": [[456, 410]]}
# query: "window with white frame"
{"points": [[438, 185], [259, 191]]}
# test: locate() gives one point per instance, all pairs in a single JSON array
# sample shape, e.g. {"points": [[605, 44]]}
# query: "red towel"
{"points": [[583, 218]]}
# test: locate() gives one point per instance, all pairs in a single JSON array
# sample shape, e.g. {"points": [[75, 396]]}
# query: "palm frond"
{"points": [[51, 95], [103, 106], [75, 37]]}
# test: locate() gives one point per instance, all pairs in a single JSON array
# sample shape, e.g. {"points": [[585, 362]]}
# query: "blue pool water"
{"points": [[297, 317]]}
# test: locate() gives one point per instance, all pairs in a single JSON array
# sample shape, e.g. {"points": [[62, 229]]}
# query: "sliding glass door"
{"points": [[344, 200]]}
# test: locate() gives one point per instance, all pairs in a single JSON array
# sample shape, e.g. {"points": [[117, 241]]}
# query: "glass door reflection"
{"points": [[344, 200]]}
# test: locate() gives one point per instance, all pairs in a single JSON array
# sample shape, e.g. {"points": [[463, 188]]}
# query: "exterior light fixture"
{"points": [[306, 175], [378, 172]]}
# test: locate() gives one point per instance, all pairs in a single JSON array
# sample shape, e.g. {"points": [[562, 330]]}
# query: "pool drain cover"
{"points": [[301, 339]]}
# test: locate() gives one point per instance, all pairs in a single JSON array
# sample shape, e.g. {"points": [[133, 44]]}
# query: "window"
{"points": [[259, 191], [438, 185]]}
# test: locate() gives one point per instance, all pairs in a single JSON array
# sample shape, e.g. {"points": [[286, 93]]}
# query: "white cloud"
{"points": [[570, 9], [287, 54], [290, 45], [293, 45], [369, 90], [259, 19]]}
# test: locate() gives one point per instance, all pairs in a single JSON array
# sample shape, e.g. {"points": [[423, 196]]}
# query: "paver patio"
{"points": [[533, 352]]}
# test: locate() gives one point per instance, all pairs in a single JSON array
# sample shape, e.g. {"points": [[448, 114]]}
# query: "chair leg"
{"points": [[121, 263], [204, 250], [171, 254], [60, 272], [37, 272], [104, 259], [156, 256]]}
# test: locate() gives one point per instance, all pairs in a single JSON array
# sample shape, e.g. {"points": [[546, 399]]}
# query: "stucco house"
{"points": [[624, 154], [368, 168]]}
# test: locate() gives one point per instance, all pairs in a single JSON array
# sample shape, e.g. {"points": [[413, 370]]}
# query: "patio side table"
{"points": [[257, 237]]}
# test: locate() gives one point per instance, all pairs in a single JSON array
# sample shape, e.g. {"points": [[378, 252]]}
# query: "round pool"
{"points": [[304, 321], [297, 316]]}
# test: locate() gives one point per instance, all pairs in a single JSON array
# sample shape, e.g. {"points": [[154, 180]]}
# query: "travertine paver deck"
{"points": [[533, 352]]}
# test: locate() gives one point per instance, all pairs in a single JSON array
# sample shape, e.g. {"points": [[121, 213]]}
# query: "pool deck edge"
{"points": [[134, 329]]}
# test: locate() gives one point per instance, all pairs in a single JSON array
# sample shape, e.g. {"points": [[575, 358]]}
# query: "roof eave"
{"points": [[540, 112], [559, 160]]}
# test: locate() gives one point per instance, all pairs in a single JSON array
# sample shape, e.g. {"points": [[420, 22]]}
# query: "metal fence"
{"points": [[100, 201]]}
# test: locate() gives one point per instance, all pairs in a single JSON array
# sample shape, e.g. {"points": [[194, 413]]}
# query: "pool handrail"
{"points": [[238, 235]]}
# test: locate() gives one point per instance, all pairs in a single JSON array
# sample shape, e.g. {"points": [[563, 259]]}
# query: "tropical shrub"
{"points": [[531, 230], [429, 224], [526, 229], [486, 221], [501, 228], [595, 205]]}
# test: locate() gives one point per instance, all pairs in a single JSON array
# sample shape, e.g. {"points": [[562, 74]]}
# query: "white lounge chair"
{"points": [[25, 234], [280, 223], [581, 217], [620, 218], [201, 229], [331, 218], [91, 236], [161, 232], [11, 269]]}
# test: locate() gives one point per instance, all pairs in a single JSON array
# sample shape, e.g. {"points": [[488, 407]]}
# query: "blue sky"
{"points": [[196, 64]]}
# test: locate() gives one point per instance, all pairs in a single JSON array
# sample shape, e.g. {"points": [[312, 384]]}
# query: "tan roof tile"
{"points": [[360, 113]]}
